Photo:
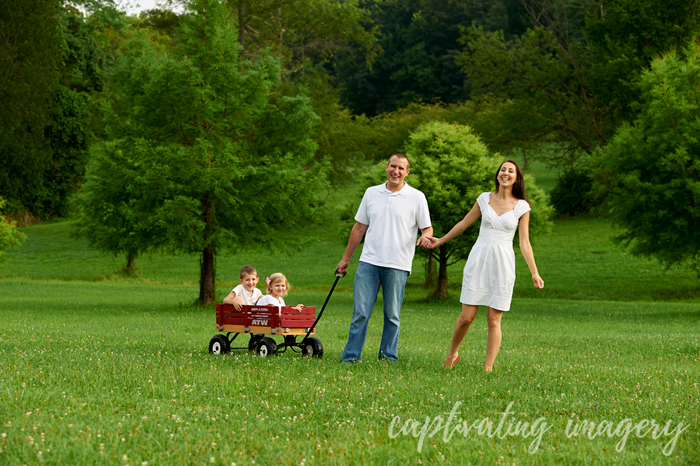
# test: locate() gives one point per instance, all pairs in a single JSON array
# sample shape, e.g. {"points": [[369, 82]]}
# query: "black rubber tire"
{"points": [[312, 348], [219, 344], [266, 347], [253, 342]]}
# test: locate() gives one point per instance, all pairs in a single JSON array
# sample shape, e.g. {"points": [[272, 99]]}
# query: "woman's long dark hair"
{"points": [[519, 185]]}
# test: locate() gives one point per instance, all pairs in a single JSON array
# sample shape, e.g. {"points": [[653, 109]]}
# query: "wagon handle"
{"points": [[338, 276]]}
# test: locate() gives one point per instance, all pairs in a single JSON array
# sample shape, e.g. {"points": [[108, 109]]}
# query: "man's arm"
{"points": [[425, 233], [356, 234]]}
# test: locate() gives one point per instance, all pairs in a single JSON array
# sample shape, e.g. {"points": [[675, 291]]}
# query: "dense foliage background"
{"points": [[554, 81]]}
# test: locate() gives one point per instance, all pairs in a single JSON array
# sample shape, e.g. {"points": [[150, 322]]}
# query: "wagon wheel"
{"points": [[266, 347], [219, 344], [312, 348], [253, 342]]}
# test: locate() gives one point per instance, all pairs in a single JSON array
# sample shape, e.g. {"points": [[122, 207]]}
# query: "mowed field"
{"points": [[600, 367]]}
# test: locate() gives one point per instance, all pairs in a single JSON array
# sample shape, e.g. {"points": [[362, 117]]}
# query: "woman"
{"points": [[489, 274]]}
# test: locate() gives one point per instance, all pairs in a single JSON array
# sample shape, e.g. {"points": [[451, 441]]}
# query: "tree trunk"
{"points": [[442, 292], [207, 276], [207, 288], [129, 269], [429, 273]]}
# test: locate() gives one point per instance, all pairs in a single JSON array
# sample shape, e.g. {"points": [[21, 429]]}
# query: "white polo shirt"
{"points": [[246, 297], [394, 220]]}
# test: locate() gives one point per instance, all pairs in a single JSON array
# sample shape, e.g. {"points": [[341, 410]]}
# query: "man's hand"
{"points": [[424, 241], [342, 266]]}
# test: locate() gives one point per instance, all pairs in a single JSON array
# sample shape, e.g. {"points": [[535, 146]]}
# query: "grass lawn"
{"points": [[118, 373], [97, 368]]}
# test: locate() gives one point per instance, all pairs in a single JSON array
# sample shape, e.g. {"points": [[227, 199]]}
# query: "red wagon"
{"points": [[261, 321]]}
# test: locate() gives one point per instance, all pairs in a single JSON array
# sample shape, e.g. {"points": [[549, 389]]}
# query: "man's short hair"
{"points": [[401, 156], [248, 270]]}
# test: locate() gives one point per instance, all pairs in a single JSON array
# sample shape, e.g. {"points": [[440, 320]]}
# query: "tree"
{"points": [[570, 76], [50, 66], [295, 29], [625, 36], [550, 97], [419, 39], [30, 53], [453, 167], [651, 169], [218, 158], [114, 205]]}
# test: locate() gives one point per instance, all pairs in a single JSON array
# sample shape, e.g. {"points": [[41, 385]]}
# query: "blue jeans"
{"points": [[367, 281]]}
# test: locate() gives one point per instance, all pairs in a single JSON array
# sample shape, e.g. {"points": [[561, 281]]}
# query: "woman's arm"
{"points": [[526, 249], [459, 228]]}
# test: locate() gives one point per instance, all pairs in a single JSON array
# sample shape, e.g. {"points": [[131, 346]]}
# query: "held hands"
{"points": [[428, 242], [298, 307], [537, 280]]}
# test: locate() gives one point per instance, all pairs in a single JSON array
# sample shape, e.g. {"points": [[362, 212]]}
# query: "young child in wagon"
{"points": [[277, 288], [247, 292]]}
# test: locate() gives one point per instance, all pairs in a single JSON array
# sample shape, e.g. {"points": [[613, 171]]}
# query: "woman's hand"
{"points": [[434, 242], [537, 280], [299, 307]]}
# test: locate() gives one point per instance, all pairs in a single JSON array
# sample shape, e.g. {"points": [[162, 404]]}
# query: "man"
{"points": [[391, 214]]}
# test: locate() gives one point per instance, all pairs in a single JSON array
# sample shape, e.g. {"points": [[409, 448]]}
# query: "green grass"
{"points": [[98, 368], [578, 260], [93, 372]]}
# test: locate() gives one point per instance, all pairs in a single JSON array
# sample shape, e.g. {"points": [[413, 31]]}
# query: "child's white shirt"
{"points": [[247, 297], [269, 299]]}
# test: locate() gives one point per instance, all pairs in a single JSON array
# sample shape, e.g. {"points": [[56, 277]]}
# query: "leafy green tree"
{"points": [[625, 36], [30, 54], [453, 167], [569, 78], [115, 204], [68, 135], [572, 194], [651, 169], [550, 100], [419, 40], [344, 140], [306, 35], [50, 66], [297, 29], [219, 159], [9, 236]]}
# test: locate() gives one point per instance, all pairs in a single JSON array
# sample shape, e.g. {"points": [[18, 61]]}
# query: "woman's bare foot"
{"points": [[488, 369], [452, 363]]}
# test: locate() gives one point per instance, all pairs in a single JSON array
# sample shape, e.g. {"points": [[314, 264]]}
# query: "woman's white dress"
{"points": [[489, 274]]}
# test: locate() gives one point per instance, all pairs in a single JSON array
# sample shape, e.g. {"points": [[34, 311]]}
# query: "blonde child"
{"points": [[246, 292], [277, 288]]}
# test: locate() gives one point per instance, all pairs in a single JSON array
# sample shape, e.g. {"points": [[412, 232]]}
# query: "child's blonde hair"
{"points": [[275, 277]]}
